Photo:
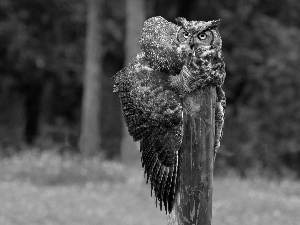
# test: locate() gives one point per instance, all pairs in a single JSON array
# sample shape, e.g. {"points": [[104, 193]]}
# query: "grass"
{"points": [[51, 169], [46, 188]]}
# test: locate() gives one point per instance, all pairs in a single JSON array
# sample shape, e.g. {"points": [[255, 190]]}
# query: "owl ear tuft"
{"points": [[215, 23], [181, 21]]}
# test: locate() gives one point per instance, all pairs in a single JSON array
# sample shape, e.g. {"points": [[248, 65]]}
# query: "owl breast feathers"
{"points": [[175, 60]]}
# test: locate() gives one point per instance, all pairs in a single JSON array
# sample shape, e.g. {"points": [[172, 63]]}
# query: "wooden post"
{"points": [[193, 203]]}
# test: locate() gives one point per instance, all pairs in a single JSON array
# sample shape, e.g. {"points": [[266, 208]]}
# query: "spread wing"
{"points": [[153, 114]]}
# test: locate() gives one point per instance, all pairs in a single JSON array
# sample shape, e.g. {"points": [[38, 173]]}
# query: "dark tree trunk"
{"points": [[111, 119], [32, 111]]}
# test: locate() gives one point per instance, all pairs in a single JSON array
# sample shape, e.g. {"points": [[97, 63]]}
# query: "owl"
{"points": [[175, 59]]}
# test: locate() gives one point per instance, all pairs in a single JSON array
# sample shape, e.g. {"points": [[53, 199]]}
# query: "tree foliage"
{"points": [[41, 61], [262, 50]]}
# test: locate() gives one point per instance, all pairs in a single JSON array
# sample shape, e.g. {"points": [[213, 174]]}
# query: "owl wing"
{"points": [[153, 114]]}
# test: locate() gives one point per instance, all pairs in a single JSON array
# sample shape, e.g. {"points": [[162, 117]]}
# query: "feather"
{"points": [[153, 114]]}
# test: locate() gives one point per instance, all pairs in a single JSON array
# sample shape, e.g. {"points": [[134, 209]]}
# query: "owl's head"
{"points": [[202, 37], [167, 45]]}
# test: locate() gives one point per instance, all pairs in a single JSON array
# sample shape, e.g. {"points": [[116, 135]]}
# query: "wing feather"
{"points": [[153, 114]]}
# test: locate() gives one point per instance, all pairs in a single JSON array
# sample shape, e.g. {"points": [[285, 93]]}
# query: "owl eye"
{"points": [[202, 36], [185, 34]]}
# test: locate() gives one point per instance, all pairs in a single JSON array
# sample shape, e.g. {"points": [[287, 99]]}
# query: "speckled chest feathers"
{"points": [[175, 60]]}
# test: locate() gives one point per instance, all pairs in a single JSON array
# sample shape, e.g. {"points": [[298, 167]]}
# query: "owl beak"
{"points": [[192, 42], [192, 45]]}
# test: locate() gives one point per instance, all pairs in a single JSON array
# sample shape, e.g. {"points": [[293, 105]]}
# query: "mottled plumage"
{"points": [[174, 61]]}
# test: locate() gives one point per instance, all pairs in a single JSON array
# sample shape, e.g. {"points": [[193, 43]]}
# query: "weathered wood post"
{"points": [[193, 203]]}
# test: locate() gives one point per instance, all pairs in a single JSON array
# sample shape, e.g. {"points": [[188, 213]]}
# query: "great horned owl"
{"points": [[175, 60]]}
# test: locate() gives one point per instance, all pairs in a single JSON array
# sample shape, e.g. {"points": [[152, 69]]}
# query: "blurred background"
{"points": [[61, 126]]}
